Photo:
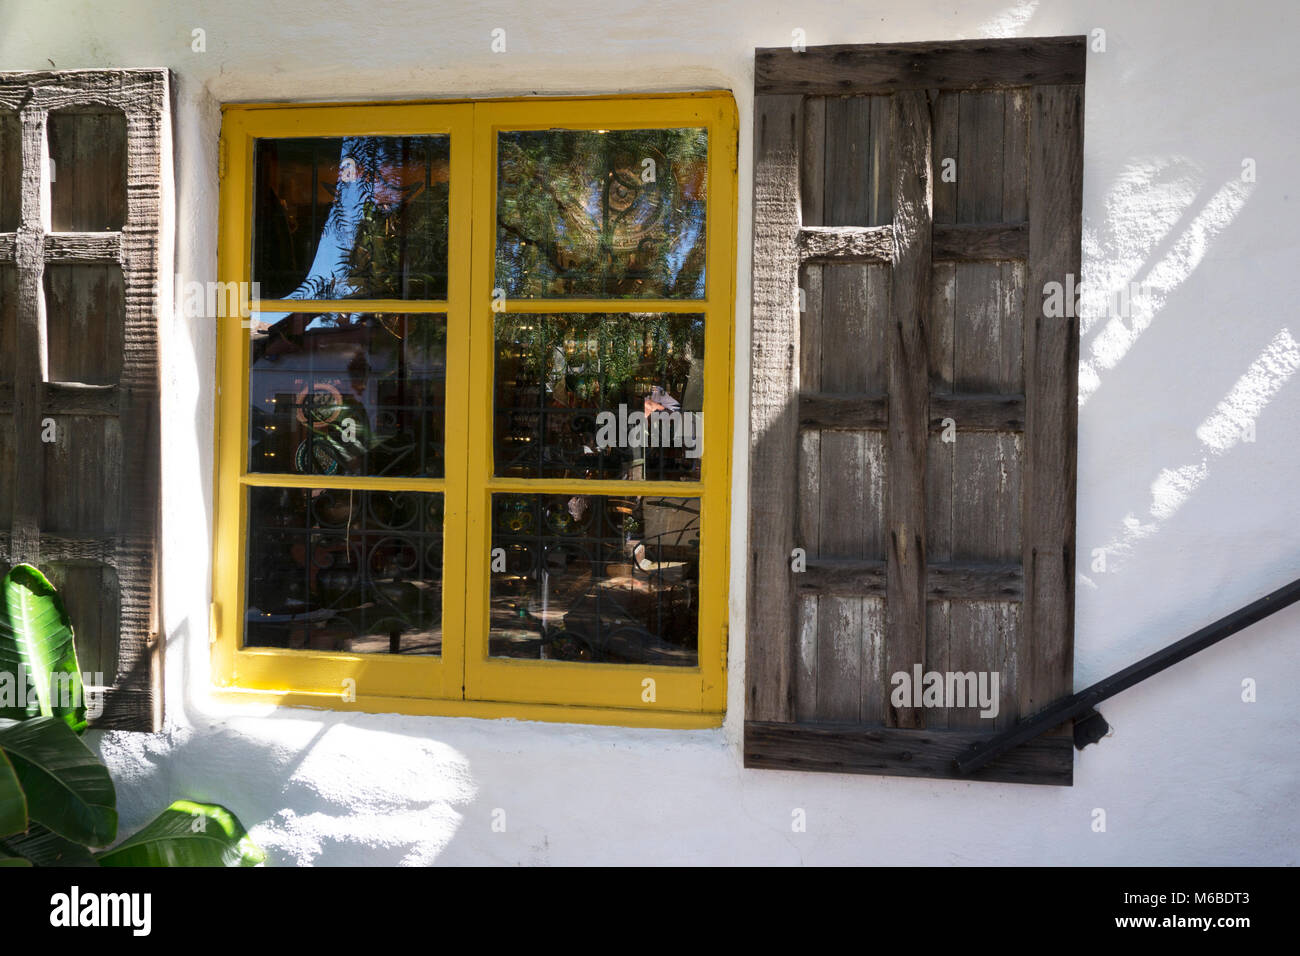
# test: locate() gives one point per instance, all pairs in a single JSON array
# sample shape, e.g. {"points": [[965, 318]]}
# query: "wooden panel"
{"points": [[88, 150], [900, 752], [908, 394], [84, 310], [943, 112], [979, 166], [857, 178], [10, 171], [988, 328], [1051, 346], [1015, 158], [90, 595], [769, 651], [983, 641], [83, 476]]}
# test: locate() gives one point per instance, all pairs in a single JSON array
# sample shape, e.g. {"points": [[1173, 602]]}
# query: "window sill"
{"points": [[484, 709]]}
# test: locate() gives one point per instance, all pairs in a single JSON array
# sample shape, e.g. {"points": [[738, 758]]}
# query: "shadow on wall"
{"points": [[312, 787]]}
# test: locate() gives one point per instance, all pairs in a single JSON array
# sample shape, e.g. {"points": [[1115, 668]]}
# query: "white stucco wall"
{"points": [[1197, 521]]}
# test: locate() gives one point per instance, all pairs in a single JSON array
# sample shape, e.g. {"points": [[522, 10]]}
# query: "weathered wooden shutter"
{"points": [[81, 184], [913, 407]]}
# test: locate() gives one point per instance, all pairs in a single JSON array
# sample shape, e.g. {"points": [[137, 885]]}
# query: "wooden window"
{"points": [[430, 495], [913, 404], [82, 176]]}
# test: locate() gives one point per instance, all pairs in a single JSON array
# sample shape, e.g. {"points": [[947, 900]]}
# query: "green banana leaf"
{"points": [[14, 861], [36, 636], [13, 802], [67, 788], [40, 847], [187, 834]]}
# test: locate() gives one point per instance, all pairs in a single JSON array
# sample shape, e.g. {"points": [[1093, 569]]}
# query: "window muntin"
{"points": [[465, 677]]}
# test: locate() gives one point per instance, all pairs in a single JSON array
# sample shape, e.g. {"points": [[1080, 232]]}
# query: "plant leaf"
{"points": [[42, 848], [13, 802], [187, 834], [36, 638], [67, 787]]}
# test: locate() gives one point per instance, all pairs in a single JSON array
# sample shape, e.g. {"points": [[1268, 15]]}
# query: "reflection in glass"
{"points": [[334, 569], [596, 578], [599, 396], [610, 213], [359, 217], [341, 394]]}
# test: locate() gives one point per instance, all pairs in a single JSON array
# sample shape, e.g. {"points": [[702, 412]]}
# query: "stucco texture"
{"points": [[1194, 519]]}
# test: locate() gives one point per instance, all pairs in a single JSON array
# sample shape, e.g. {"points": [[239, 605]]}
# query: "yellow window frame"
{"points": [[464, 680]]}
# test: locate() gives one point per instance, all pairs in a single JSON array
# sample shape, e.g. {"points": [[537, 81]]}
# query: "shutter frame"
{"points": [[781, 730], [133, 699]]}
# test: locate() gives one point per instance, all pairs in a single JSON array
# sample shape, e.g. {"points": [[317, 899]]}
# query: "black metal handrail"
{"points": [[1082, 703]]}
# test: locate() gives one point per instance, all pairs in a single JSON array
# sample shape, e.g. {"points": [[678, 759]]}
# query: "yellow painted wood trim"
{"points": [[497, 687], [261, 479], [328, 306], [620, 306], [480, 709], [254, 105], [595, 486]]}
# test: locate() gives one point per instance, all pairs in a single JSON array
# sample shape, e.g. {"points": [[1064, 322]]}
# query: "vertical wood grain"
{"points": [[908, 393], [770, 658], [11, 165], [1055, 184]]}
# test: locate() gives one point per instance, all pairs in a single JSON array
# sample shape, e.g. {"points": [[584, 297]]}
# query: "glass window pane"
{"points": [[596, 578], [356, 217], [612, 396], [340, 394], [601, 213], [334, 569]]}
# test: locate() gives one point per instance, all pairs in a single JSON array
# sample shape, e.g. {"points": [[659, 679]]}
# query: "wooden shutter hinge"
{"points": [[221, 157]]}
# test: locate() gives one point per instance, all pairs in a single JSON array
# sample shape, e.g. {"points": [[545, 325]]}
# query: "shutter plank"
{"points": [[769, 657], [11, 146], [1055, 177], [29, 360], [901, 752], [909, 393], [843, 468]]}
